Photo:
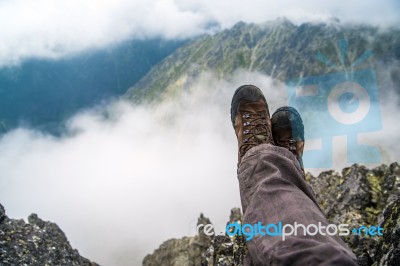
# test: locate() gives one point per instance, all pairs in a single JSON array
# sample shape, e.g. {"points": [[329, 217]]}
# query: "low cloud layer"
{"points": [[53, 29], [124, 179]]}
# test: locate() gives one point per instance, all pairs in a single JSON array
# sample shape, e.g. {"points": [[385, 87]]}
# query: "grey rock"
{"points": [[204, 239], [388, 248], [357, 196], [184, 251], [176, 252], [35, 243], [2, 214]]}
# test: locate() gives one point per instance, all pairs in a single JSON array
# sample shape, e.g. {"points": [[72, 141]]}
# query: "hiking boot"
{"points": [[288, 131], [250, 118]]}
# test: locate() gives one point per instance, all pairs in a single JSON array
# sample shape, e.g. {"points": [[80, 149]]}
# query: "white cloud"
{"points": [[229, 12], [126, 178], [55, 28], [50, 29], [120, 186]]}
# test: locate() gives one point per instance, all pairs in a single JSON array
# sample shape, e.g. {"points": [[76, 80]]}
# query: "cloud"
{"points": [[52, 29], [229, 12], [124, 179], [55, 28]]}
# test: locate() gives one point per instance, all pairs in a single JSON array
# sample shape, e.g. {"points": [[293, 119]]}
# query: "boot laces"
{"points": [[255, 131]]}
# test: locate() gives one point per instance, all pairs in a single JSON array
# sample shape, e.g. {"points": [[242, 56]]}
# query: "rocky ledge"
{"points": [[357, 196], [35, 243]]}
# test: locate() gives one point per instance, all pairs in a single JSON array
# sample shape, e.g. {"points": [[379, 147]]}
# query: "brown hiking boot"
{"points": [[250, 118], [288, 131]]}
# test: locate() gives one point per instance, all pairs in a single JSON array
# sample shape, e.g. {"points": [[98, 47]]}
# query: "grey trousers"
{"points": [[273, 190]]}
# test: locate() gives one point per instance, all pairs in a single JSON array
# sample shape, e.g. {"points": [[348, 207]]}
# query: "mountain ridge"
{"points": [[278, 49]]}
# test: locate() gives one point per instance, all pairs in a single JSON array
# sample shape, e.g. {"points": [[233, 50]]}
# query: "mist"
{"points": [[56, 29], [122, 179]]}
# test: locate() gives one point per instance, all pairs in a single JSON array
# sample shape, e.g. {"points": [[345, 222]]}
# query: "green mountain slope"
{"points": [[279, 49]]}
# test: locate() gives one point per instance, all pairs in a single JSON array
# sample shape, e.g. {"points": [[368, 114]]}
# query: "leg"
{"points": [[273, 190], [272, 187]]}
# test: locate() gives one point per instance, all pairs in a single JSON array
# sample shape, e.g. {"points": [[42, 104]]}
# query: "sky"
{"points": [[56, 28], [123, 179]]}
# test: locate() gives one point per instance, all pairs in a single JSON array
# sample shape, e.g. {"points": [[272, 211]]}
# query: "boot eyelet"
{"points": [[246, 131], [246, 124], [246, 116], [245, 140], [292, 148]]}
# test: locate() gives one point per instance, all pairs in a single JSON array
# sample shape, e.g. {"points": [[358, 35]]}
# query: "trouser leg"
{"points": [[272, 190]]}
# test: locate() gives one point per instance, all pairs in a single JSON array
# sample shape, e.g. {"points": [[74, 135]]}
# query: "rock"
{"points": [[185, 251], [204, 239], [35, 243], [225, 250], [201, 249], [175, 252], [35, 220], [2, 214], [358, 196], [388, 248], [236, 215]]}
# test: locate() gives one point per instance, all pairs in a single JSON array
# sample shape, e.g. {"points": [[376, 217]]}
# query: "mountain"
{"points": [[286, 52], [43, 93], [358, 196], [278, 49]]}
